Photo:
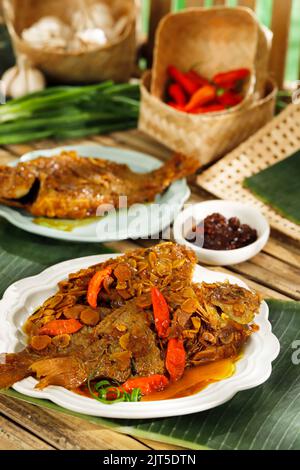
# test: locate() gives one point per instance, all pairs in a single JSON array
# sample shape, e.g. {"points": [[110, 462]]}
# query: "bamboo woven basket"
{"points": [[204, 136], [114, 61], [210, 41]]}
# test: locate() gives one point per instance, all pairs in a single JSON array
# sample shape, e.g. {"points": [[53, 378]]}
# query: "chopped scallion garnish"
{"points": [[109, 393]]}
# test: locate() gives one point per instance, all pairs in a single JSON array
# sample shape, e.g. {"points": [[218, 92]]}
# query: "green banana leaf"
{"points": [[279, 187], [23, 254]]}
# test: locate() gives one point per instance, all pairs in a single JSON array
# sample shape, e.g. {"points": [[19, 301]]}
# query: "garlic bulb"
{"points": [[90, 26], [92, 36], [95, 25], [22, 79], [48, 32]]}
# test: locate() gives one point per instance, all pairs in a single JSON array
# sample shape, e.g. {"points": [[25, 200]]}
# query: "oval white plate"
{"points": [[23, 297], [152, 219]]}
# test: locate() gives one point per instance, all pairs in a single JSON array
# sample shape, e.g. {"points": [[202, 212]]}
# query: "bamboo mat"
{"points": [[273, 143]]}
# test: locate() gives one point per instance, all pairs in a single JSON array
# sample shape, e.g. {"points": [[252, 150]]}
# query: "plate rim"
{"points": [[145, 161], [214, 395]]}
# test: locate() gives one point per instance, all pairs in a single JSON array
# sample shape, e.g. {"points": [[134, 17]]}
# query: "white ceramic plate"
{"points": [[23, 297], [122, 224]]}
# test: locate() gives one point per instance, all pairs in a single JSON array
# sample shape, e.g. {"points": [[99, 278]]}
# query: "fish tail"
{"points": [[13, 367], [179, 166]]}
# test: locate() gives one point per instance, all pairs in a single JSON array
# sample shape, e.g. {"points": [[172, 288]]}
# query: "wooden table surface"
{"points": [[275, 272]]}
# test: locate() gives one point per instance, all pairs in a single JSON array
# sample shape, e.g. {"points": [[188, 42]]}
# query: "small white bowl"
{"points": [[245, 213]]}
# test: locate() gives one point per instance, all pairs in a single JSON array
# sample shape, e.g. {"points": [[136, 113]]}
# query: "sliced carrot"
{"points": [[90, 317], [40, 342]]}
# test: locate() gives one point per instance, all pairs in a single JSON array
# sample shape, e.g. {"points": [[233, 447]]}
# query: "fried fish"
{"points": [[118, 339], [73, 187]]}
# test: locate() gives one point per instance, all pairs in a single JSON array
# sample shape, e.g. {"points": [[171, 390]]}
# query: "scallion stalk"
{"points": [[69, 112]]}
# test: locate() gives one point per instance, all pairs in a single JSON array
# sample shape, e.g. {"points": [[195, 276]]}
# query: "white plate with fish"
{"points": [[137, 221], [252, 369]]}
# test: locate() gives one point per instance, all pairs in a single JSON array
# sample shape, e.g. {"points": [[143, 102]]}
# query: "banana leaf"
{"points": [[23, 254], [279, 187]]}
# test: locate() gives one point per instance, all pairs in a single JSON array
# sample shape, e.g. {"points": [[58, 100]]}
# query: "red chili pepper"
{"points": [[161, 313], [197, 79], [230, 78], [95, 285], [211, 108], [176, 92], [175, 105], [61, 327], [147, 385], [201, 97], [230, 85], [229, 98], [185, 82], [175, 360]]}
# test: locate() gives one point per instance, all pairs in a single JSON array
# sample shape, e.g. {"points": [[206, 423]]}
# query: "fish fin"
{"points": [[68, 372]]}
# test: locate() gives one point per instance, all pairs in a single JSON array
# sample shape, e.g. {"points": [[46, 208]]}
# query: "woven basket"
{"points": [[204, 136], [115, 60], [208, 40], [211, 41]]}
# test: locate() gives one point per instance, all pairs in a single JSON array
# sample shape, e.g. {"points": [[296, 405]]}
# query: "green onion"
{"points": [[105, 389], [135, 394], [69, 112]]}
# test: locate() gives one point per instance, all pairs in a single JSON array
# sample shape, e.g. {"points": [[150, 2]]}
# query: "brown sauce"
{"points": [[193, 381], [219, 233]]}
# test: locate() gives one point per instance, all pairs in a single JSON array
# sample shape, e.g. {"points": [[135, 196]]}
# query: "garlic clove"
{"points": [[93, 36], [7, 78], [18, 86], [48, 32], [35, 80], [22, 79]]}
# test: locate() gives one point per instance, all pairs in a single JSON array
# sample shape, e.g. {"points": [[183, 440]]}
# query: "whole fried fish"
{"points": [[73, 187], [118, 339]]}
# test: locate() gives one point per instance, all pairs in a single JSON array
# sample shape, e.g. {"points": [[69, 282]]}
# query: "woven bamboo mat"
{"points": [[274, 142]]}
